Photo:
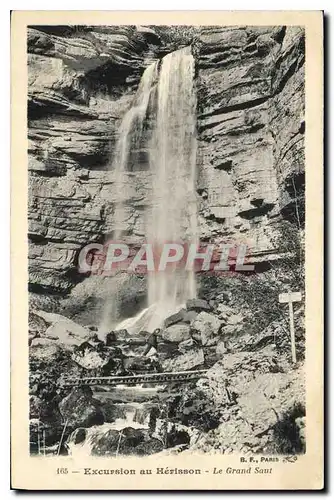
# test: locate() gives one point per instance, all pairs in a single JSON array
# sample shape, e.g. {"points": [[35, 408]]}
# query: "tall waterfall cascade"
{"points": [[173, 165], [129, 136], [171, 215]]}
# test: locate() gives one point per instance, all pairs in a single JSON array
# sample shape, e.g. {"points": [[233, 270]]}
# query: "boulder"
{"points": [[95, 355], [105, 441], [79, 409], [139, 364], [131, 438], [90, 359], [118, 442], [187, 345], [189, 316], [49, 361], [44, 351], [228, 316], [176, 333], [115, 366], [177, 436], [175, 318], [228, 330], [105, 444], [106, 336], [79, 435], [42, 341], [111, 411], [31, 337], [188, 361], [149, 447], [192, 408], [198, 305], [206, 327], [224, 311], [110, 338], [167, 350], [65, 330], [65, 334], [235, 319], [52, 420]]}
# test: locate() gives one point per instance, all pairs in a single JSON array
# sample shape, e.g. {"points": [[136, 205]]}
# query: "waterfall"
{"points": [[171, 216], [173, 167], [129, 136]]}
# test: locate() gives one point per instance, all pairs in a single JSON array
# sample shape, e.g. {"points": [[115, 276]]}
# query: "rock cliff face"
{"points": [[251, 126], [81, 82], [250, 137]]}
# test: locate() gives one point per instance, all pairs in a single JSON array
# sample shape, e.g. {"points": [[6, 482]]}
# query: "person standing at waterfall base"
{"points": [[151, 349]]}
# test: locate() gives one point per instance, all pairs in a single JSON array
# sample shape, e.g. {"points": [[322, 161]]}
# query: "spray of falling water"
{"points": [[172, 214], [173, 167], [129, 135]]}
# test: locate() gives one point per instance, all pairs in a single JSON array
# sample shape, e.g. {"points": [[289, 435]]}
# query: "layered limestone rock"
{"points": [[250, 159], [250, 84], [81, 81]]}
